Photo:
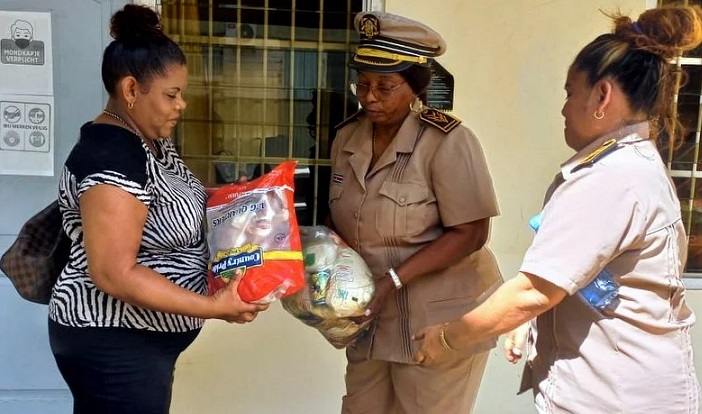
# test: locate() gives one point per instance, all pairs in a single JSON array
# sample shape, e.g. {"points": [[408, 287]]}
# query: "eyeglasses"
{"points": [[381, 92]]}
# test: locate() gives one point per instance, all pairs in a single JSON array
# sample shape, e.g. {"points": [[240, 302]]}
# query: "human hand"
{"points": [[383, 287], [229, 306], [430, 350], [515, 342]]}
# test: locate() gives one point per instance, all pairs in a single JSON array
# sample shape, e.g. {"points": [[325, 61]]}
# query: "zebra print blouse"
{"points": [[172, 244]]}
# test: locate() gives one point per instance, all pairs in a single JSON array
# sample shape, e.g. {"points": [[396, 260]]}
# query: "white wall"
{"points": [[509, 59], [273, 365]]}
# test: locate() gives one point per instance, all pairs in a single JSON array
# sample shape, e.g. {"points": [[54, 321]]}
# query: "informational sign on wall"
{"points": [[440, 91], [27, 94], [26, 123]]}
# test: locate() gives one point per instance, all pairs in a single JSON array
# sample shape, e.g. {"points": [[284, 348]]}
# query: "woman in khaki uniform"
{"points": [[612, 216], [412, 194]]}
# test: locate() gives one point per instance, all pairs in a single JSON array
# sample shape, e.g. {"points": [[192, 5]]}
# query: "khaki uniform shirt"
{"points": [[426, 180], [618, 211]]}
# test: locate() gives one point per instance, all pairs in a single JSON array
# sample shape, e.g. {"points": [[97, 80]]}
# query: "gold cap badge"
{"points": [[370, 26]]}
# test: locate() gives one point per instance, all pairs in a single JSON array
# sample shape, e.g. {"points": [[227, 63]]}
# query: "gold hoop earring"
{"points": [[598, 114], [417, 106], [130, 105]]}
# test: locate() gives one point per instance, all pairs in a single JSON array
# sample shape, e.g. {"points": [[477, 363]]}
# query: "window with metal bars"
{"points": [[683, 158], [267, 82]]}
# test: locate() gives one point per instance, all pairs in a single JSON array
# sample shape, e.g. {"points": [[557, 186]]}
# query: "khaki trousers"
{"points": [[382, 387]]}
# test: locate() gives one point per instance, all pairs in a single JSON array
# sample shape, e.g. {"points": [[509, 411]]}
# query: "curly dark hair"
{"points": [[418, 78]]}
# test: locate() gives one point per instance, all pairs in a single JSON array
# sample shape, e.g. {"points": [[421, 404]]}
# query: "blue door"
{"points": [[29, 380]]}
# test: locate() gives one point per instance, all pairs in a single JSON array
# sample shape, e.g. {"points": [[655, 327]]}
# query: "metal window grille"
{"points": [[683, 158], [267, 82]]}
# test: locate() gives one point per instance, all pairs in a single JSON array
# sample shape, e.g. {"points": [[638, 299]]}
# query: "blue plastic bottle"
{"points": [[602, 291]]}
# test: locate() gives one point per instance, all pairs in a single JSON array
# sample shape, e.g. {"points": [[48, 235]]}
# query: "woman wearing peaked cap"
{"points": [[412, 194], [612, 216]]}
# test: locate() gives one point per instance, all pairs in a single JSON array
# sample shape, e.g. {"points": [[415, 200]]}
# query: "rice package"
{"points": [[252, 233], [339, 286]]}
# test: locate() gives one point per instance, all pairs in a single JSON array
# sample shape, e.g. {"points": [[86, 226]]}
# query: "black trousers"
{"points": [[118, 370]]}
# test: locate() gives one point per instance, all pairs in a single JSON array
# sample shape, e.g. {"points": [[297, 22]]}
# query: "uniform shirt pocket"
{"points": [[335, 193], [405, 209], [339, 212]]}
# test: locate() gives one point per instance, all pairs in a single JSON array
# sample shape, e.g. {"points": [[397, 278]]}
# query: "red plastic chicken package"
{"points": [[252, 232]]}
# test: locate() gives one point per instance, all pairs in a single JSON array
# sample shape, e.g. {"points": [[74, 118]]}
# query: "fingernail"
{"points": [[517, 351], [367, 312]]}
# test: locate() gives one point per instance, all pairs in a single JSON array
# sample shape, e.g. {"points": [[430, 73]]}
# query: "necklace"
{"points": [[121, 121], [151, 145]]}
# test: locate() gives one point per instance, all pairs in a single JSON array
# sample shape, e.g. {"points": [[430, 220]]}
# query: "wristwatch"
{"points": [[395, 278]]}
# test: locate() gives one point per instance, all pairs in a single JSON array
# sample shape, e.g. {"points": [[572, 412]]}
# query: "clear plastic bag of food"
{"points": [[252, 233], [339, 286]]}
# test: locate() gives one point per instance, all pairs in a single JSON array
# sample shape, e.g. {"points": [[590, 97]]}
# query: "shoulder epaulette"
{"points": [[440, 120], [350, 119], [602, 151]]}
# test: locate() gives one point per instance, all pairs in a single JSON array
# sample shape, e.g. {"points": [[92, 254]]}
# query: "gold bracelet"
{"points": [[442, 338]]}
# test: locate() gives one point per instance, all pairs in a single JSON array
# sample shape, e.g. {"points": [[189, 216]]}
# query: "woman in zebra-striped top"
{"points": [[132, 297]]}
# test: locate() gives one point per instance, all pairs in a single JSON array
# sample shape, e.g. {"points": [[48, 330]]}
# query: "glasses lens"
{"points": [[361, 90], [383, 92], [380, 92]]}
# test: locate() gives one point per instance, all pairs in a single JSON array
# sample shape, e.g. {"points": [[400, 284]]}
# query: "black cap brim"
{"points": [[378, 65]]}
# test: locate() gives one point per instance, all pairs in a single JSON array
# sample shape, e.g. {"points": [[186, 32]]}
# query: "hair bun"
{"points": [[135, 23], [664, 31]]}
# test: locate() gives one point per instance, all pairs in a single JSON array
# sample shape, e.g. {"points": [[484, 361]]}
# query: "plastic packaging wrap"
{"points": [[339, 287], [252, 232]]}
